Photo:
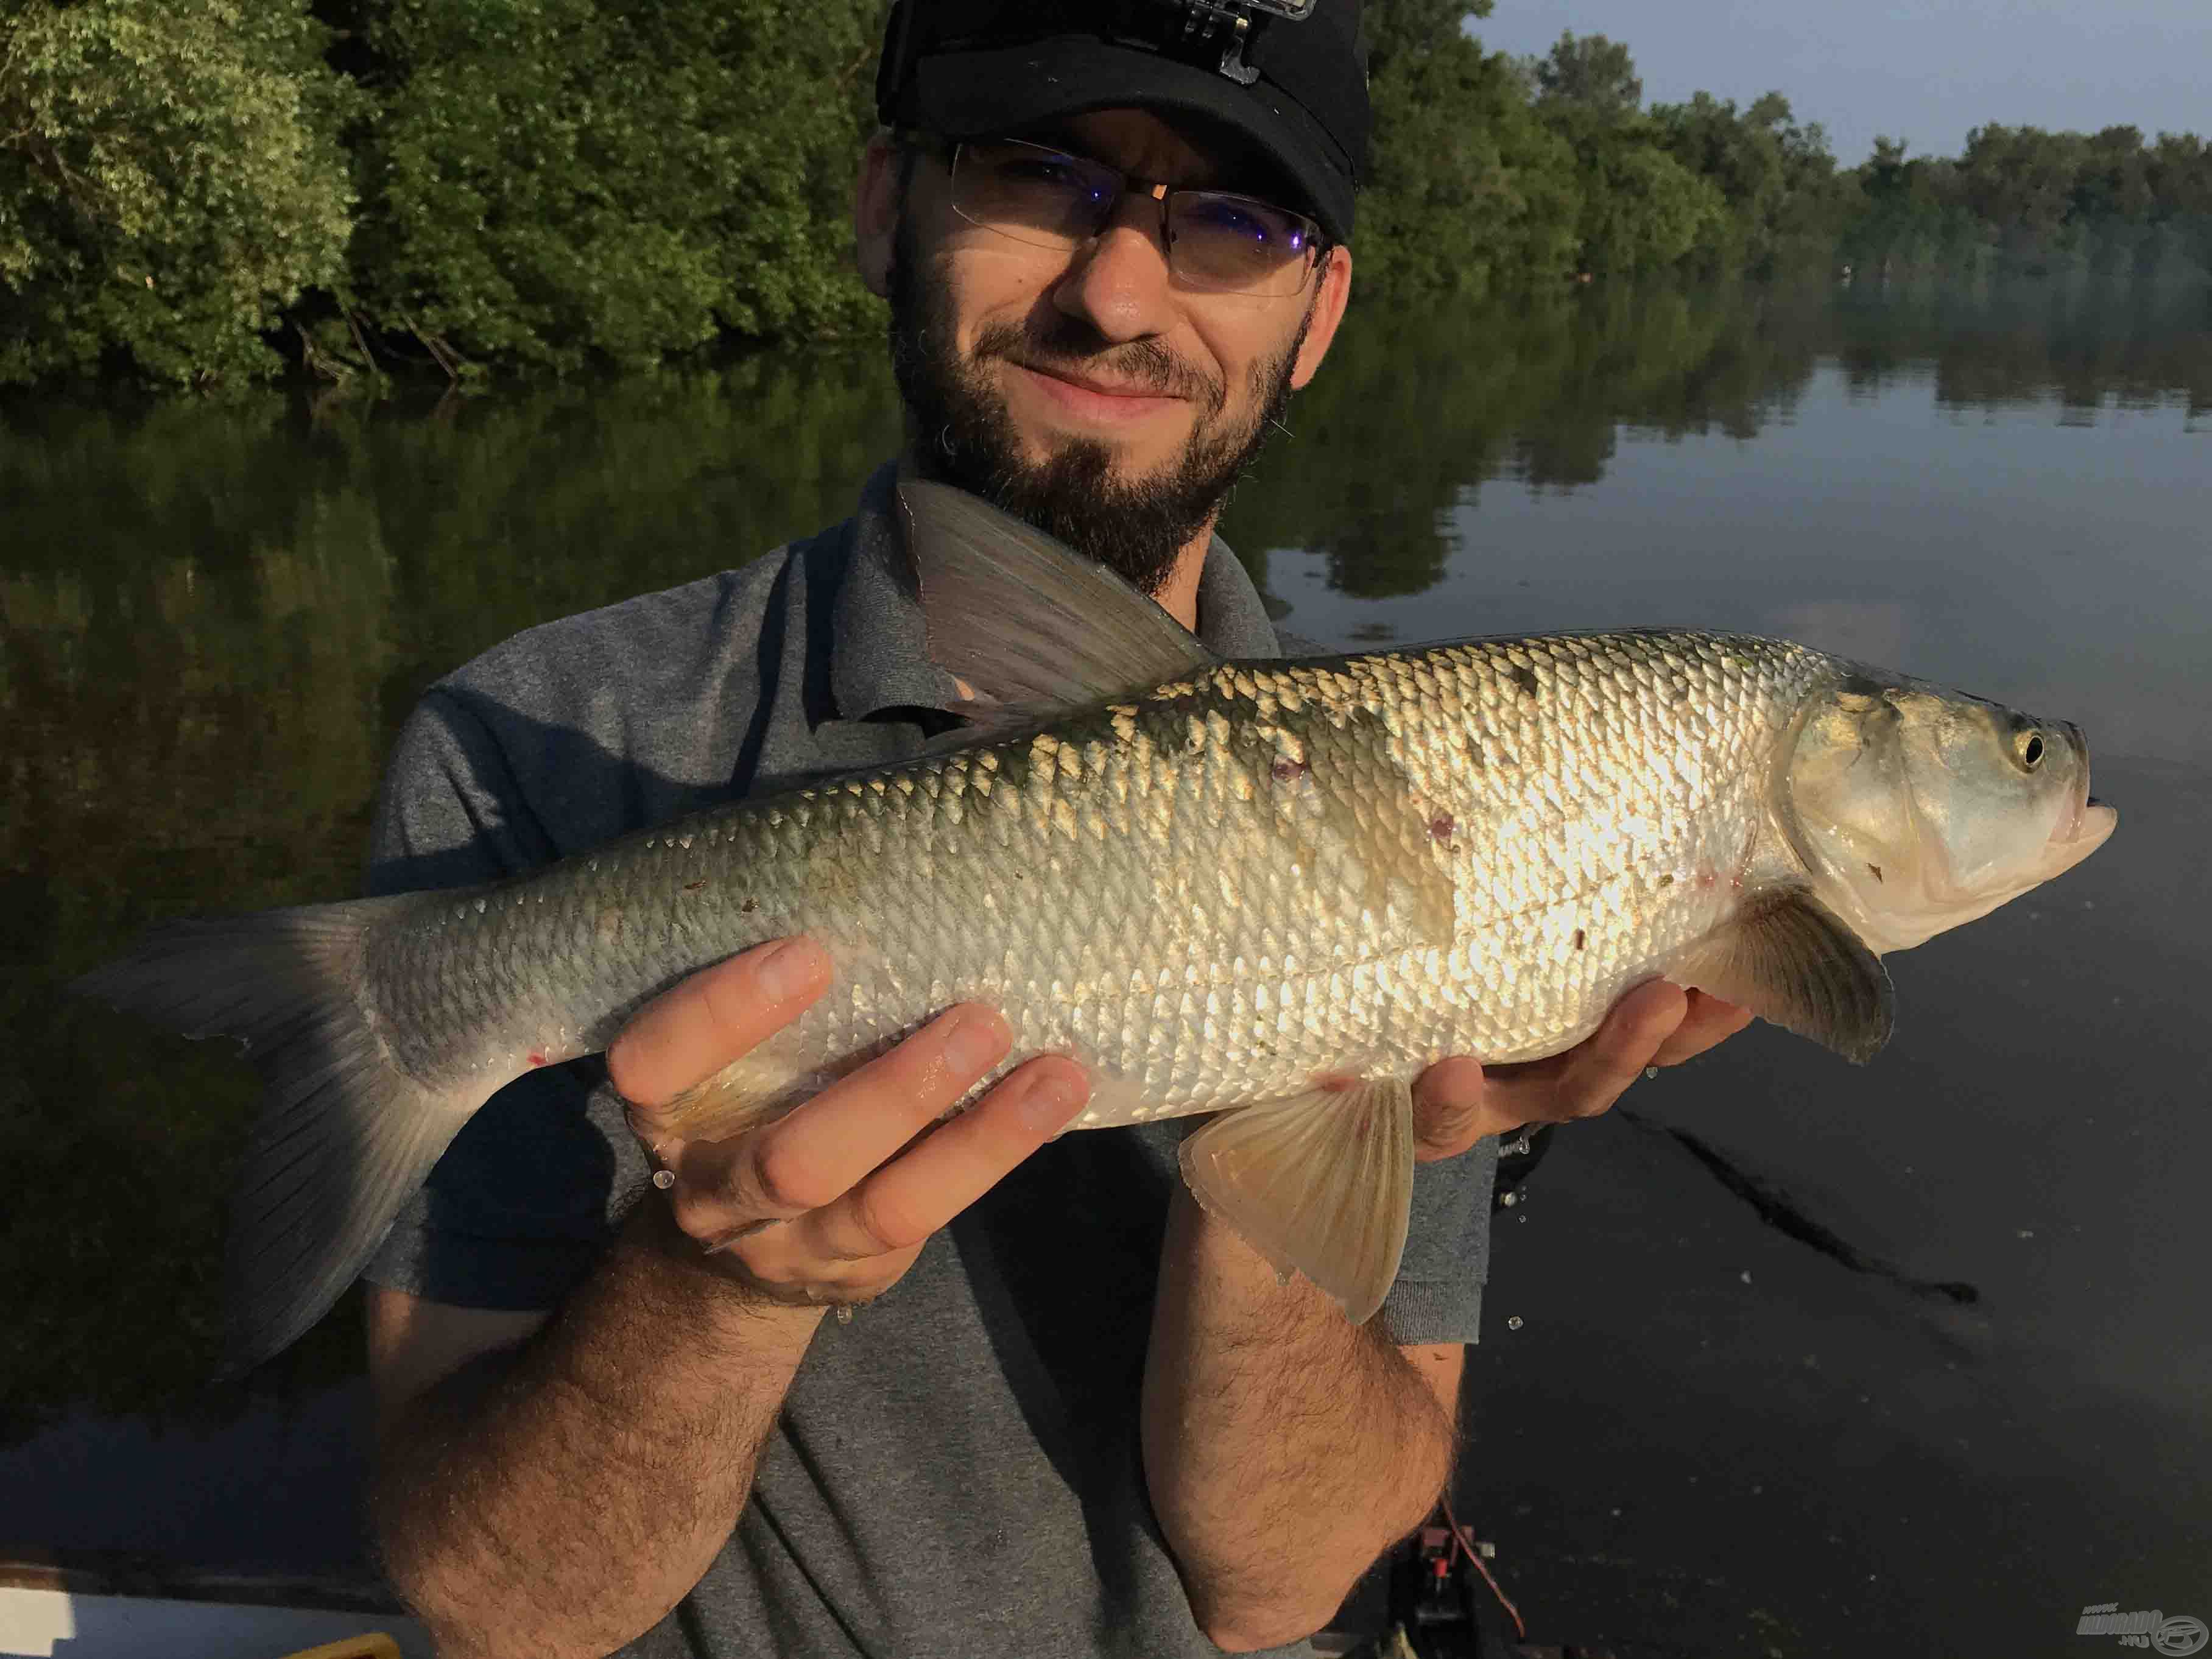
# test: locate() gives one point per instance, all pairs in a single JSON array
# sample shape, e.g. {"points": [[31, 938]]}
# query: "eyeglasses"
{"points": [[1216, 241]]}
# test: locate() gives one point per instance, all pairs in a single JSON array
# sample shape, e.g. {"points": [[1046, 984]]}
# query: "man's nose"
{"points": [[1118, 281]]}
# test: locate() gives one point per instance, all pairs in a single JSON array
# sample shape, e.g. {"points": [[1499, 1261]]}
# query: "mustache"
{"points": [[1067, 344]]}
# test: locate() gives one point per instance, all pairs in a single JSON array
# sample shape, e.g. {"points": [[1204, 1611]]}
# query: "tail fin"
{"points": [[345, 1136]]}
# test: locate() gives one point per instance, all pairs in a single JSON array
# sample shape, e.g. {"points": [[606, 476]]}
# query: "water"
{"points": [[1702, 1436]]}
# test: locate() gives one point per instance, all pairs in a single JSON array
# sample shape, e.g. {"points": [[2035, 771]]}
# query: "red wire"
{"points": [[1463, 1540]]}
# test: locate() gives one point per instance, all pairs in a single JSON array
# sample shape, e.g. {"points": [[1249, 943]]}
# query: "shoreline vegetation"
{"points": [[212, 193]]}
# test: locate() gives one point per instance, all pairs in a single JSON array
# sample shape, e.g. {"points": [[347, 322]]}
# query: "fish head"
{"points": [[1917, 808]]}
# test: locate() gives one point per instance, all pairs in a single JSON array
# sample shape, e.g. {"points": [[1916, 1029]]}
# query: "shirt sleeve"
{"points": [[522, 1204], [1439, 1294]]}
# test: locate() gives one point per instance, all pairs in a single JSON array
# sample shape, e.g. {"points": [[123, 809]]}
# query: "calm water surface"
{"points": [[1700, 1435]]}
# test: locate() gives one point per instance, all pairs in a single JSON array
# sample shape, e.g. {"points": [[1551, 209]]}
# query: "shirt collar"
{"points": [[1232, 621], [880, 644]]}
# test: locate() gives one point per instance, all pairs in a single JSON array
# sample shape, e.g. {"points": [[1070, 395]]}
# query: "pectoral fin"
{"points": [[1319, 1183], [1790, 960], [750, 1092]]}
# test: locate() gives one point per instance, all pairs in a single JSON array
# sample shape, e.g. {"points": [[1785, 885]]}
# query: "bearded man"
{"points": [[1077, 1415]]}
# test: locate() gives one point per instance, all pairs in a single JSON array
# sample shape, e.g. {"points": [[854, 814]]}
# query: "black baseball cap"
{"points": [[969, 69]]}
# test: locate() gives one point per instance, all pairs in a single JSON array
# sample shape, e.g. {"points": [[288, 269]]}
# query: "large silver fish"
{"points": [[1283, 888]]}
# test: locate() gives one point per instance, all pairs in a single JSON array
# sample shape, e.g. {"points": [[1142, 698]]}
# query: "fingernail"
{"points": [[790, 969], [973, 1043], [1049, 1100]]}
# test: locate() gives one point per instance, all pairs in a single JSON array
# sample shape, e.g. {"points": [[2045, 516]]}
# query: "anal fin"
{"points": [[1320, 1184], [1789, 959]]}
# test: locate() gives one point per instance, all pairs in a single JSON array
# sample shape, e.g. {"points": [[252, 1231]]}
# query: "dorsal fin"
{"points": [[1026, 621]]}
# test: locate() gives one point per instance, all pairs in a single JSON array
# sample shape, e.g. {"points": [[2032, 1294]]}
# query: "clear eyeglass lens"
{"points": [[1234, 243], [1216, 241]]}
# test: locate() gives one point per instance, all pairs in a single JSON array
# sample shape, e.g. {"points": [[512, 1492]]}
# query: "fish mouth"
{"points": [[2086, 825], [2093, 826]]}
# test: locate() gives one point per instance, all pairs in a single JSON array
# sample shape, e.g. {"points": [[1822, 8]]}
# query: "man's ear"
{"points": [[1335, 289], [876, 211]]}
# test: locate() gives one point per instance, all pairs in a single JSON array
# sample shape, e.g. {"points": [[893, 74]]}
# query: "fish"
{"points": [[1273, 892]]}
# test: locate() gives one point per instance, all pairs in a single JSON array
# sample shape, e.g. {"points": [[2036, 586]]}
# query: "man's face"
{"points": [[1087, 393]]}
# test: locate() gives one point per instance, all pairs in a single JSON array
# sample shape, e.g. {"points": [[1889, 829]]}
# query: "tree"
{"points": [[1399, 30], [1590, 72], [1776, 178], [1641, 210], [1469, 192], [170, 181], [2112, 178], [555, 180]]}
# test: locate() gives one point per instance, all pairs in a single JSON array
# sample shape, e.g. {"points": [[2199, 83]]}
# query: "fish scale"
{"points": [[1209, 895]]}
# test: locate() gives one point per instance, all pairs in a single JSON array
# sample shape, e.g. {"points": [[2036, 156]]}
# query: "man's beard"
{"points": [[966, 436]]}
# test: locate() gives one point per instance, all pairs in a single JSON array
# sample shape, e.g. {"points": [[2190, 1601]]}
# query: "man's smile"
{"points": [[1091, 398]]}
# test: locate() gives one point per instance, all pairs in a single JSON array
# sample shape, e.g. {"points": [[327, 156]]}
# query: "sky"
{"points": [[1926, 73]]}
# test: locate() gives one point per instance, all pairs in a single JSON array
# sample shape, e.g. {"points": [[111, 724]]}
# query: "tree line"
{"points": [[2021, 199], [213, 191]]}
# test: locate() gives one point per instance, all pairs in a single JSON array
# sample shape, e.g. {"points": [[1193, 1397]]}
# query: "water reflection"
{"points": [[2087, 346], [212, 618], [1414, 411]]}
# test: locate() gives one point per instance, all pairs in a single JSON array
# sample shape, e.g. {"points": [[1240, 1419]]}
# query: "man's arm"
{"points": [[1285, 1449], [558, 1496]]}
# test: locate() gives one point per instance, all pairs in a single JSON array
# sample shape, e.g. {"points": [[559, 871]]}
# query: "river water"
{"points": [[1689, 1432]]}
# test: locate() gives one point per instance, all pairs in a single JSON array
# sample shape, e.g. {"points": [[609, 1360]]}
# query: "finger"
{"points": [[692, 1030], [1589, 1077], [1452, 1108], [1710, 1020], [911, 1197], [816, 1153]]}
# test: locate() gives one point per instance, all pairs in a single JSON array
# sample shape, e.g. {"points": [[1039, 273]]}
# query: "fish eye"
{"points": [[2028, 747]]}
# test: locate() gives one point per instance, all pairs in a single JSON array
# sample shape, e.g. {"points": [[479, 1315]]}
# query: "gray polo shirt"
{"points": [[955, 1470]]}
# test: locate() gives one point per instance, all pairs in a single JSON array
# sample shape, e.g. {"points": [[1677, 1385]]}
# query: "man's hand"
{"points": [[833, 1202], [1457, 1101], [619, 1444]]}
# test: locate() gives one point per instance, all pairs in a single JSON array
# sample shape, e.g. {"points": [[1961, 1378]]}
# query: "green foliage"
{"points": [[191, 192], [1588, 73], [1642, 210], [1777, 180], [1471, 192], [550, 180], [1400, 29], [2022, 199], [170, 181], [1494, 176]]}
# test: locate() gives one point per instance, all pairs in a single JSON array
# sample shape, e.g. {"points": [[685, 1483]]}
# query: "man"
{"points": [[1074, 1414]]}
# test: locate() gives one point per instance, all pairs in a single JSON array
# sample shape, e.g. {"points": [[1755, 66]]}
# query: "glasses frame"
{"points": [[948, 150]]}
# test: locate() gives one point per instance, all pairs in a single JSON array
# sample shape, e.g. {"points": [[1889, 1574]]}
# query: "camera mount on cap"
{"points": [[1201, 18]]}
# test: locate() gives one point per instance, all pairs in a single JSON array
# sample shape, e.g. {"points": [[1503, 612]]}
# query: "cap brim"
{"points": [[970, 94]]}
